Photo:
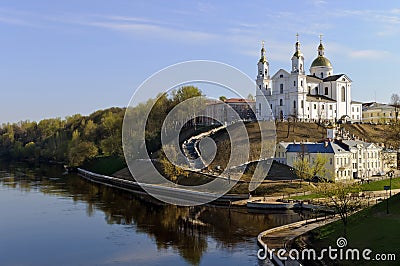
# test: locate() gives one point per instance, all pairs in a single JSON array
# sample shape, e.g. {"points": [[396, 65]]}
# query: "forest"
{"points": [[78, 139]]}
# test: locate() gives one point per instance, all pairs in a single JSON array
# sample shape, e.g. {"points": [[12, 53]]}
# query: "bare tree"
{"points": [[395, 101], [343, 197]]}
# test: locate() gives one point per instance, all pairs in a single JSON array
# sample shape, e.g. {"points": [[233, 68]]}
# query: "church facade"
{"points": [[320, 96]]}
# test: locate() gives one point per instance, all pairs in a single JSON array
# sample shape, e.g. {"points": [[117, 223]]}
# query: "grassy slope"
{"points": [[105, 165], [370, 228]]}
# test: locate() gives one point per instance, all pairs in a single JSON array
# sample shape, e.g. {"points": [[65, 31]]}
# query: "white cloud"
{"points": [[369, 54]]}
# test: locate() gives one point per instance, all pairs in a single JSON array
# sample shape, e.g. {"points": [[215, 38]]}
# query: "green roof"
{"points": [[321, 61]]}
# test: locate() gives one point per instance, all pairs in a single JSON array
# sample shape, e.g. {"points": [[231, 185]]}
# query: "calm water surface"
{"points": [[49, 218]]}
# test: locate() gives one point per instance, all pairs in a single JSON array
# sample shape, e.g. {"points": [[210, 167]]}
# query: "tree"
{"points": [[222, 98], [172, 171], [250, 97], [395, 101], [302, 165], [79, 151], [318, 168], [343, 197]]}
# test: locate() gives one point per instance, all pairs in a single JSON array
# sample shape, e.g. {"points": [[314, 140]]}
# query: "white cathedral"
{"points": [[320, 96]]}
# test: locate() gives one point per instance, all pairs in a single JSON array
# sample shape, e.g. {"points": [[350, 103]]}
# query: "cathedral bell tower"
{"points": [[263, 80], [298, 59]]}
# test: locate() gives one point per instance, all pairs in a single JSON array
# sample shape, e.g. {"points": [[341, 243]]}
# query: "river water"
{"points": [[51, 218]]}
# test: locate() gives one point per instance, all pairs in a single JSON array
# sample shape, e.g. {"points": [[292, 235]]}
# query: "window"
{"points": [[330, 107], [271, 106], [294, 83], [315, 106], [259, 108], [294, 104], [323, 107], [326, 91], [301, 67], [352, 109], [322, 75], [316, 90], [301, 83], [330, 161], [302, 103], [260, 87], [309, 90], [358, 109], [343, 92], [281, 88], [281, 102], [281, 76]]}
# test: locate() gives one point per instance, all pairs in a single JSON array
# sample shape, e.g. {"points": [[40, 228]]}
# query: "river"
{"points": [[52, 218]]}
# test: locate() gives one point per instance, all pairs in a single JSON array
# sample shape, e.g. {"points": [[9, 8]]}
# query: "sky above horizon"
{"points": [[59, 58]]}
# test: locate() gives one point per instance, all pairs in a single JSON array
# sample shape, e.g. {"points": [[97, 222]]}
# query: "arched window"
{"points": [[281, 88], [280, 102], [322, 75], [326, 91], [316, 90], [294, 83], [343, 92]]}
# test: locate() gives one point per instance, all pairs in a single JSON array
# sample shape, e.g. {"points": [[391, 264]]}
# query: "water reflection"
{"points": [[187, 230]]}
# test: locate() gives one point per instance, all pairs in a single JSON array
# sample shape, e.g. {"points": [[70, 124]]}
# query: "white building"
{"points": [[320, 96], [346, 159]]}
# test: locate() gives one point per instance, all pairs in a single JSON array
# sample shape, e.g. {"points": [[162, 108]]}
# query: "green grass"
{"points": [[378, 185], [370, 228], [105, 165]]}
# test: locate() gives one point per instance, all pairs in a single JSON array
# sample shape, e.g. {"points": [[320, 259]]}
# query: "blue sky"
{"points": [[58, 58]]}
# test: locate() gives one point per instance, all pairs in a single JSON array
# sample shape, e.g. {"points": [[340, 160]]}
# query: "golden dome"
{"points": [[321, 61]]}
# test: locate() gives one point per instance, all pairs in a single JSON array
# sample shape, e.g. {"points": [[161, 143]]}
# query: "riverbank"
{"points": [[371, 228]]}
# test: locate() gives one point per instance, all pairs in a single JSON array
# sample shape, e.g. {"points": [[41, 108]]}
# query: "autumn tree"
{"points": [[171, 170]]}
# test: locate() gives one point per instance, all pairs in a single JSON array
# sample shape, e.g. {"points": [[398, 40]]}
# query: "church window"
{"points": [[301, 67], [322, 75], [326, 91], [281, 88], [330, 107], [343, 79], [260, 87], [323, 107], [302, 103], [343, 91], [259, 108], [281, 76], [329, 73], [281, 102], [260, 72], [294, 83], [358, 109], [271, 106], [316, 90], [301, 83], [294, 104], [266, 72], [352, 109], [315, 106]]}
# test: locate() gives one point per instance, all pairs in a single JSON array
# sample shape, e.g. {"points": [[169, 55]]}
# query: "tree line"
{"points": [[79, 138]]}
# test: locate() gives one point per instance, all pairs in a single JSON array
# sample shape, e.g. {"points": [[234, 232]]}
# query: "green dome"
{"points": [[321, 61]]}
